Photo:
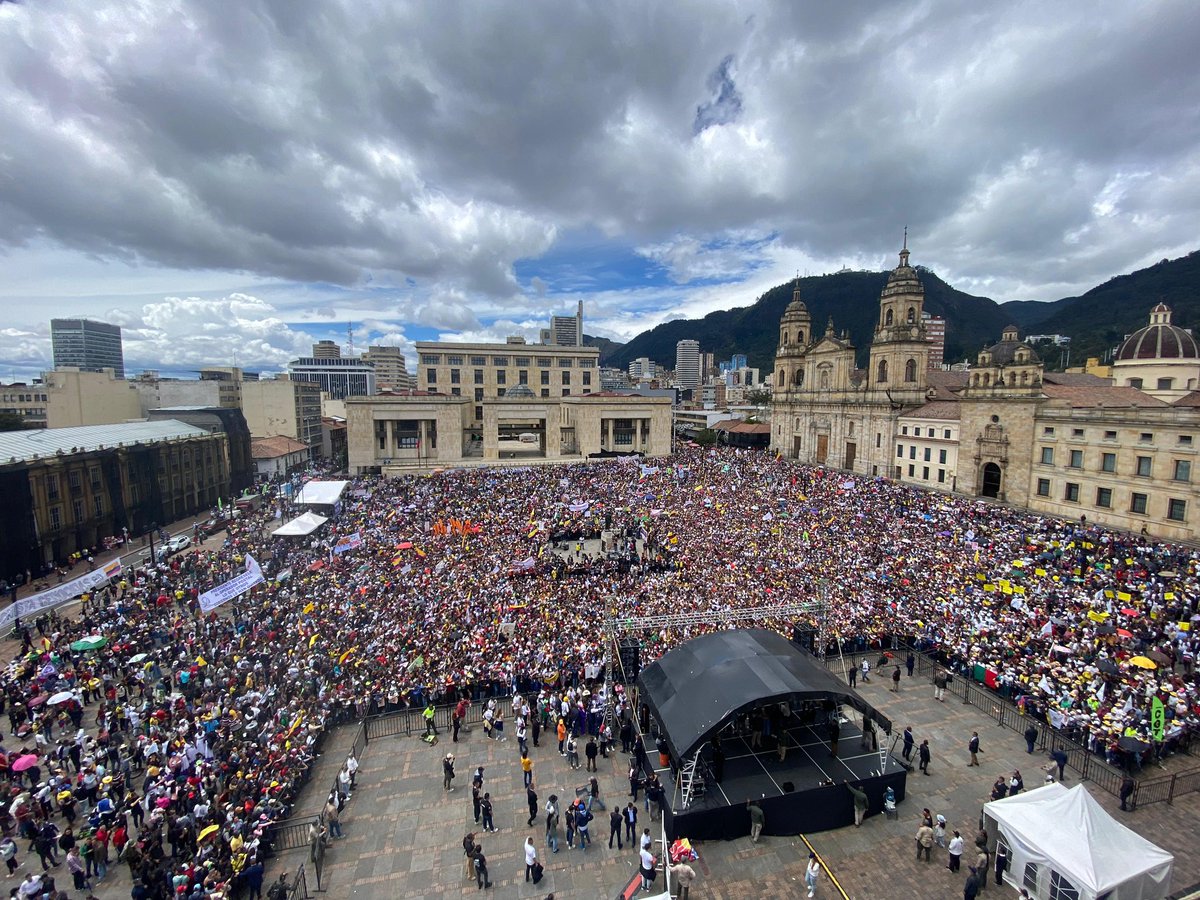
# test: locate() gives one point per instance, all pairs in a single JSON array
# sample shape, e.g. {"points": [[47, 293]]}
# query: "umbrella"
{"points": [[61, 697], [1132, 744], [91, 642], [28, 761], [140, 657], [1130, 611], [39, 700], [1159, 657], [211, 829], [1106, 629], [1124, 632], [1108, 667], [1142, 663]]}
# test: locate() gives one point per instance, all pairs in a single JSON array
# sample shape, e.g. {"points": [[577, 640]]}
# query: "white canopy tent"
{"points": [[321, 493], [300, 526], [1062, 845]]}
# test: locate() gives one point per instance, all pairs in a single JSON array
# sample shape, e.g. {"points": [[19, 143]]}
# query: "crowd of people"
{"points": [[197, 730]]}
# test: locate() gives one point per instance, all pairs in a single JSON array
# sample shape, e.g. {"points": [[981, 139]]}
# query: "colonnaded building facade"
{"points": [[1118, 451]]}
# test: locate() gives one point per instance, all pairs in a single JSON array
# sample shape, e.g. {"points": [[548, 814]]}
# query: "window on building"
{"points": [[52, 487], [455, 392], [1110, 435], [521, 361], [1076, 459], [431, 375], [523, 376], [499, 360], [1137, 503], [912, 452], [431, 359], [1108, 462], [1104, 498], [881, 371], [478, 376], [565, 362], [478, 413], [910, 370], [56, 517], [587, 379], [545, 392], [941, 476], [544, 362], [455, 376], [1071, 492], [1048, 456], [946, 433], [1077, 432], [904, 429], [878, 440], [1176, 509], [911, 470], [1043, 487], [500, 391], [1166, 384], [1183, 470], [1048, 431], [942, 456], [924, 473], [1146, 437], [566, 392], [899, 451], [1135, 383], [478, 395], [928, 453], [1185, 440], [80, 515], [479, 360], [501, 377], [545, 379], [74, 480], [1143, 466], [454, 360], [566, 377]]}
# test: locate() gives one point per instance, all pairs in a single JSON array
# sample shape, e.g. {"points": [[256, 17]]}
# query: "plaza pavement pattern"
{"points": [[403, 832]]}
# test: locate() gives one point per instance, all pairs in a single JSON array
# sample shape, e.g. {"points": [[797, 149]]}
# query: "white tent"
{"points": [[321, 493], [1062, 845], [300, 526]]}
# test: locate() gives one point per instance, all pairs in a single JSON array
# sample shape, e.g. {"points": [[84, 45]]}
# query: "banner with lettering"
{"points": [[234, 587], [56, 596]]}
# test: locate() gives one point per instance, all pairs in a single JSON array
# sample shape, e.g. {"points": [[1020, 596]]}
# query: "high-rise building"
{"points": [[642, 369], [687, 364], [566, 331], [737, 361], [326, 350], [935, 329], [338, 376], [390, 371], [87, 345]]}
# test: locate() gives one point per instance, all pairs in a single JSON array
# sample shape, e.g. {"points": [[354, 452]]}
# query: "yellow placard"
{"points": [[1007, 588], [1041, 573], [990, 588], [1124, 595], [1169, 595], [1097, 616], [1019, 589]]}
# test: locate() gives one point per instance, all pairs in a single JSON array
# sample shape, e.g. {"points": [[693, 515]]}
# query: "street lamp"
{"points": [[153, 529]]}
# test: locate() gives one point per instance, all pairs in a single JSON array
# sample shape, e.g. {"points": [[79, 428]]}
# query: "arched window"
{"points": [[975, 380], [882, 371], [798, 378], [887, 317], [912, 315], [823, 380], [782, 379], [910, 370], [987, 379], [800, 336], [785, 339]]}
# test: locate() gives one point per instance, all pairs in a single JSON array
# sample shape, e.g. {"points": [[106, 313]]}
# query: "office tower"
{"points": [[87, 345], [687, 364]]}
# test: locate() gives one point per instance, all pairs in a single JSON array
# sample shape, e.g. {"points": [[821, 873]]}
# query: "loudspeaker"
{"points": [[629, 655]]}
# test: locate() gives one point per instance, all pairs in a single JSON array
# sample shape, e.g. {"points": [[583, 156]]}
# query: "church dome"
{"points": [[1010, 348], [1159, 340], [796, 308]]}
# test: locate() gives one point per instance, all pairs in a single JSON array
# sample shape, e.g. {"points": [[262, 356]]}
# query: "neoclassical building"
{"points": [[1118, 451]]}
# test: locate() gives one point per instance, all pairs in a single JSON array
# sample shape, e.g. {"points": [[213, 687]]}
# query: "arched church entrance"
{"points": [[991, 481]]}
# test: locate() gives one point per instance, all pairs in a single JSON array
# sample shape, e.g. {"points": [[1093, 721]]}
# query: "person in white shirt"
{"points": [[647, 868], [811, 871], [530, 857], [956, 849]]}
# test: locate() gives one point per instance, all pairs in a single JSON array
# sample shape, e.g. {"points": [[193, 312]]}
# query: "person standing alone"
{"points": [[973, 748]]}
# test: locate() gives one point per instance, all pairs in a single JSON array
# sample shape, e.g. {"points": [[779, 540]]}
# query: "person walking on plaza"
{"points": [[811, 871], [646, 867], [476, 797], [531, 798], [526, 768], [447, 772], [955, 852], [614, 828], [973, 748], [940, 680], [910, 663], [460, 713], [531, 859], [971, 885], [860, 803], [1031, 735], [1127, 788], [923, 755], [757, 820], [1060, 759], [852, 677], [481, 869], [552, 823], [866, 672], [896, 680], [468, 844], [907, 752], [630, 815], [924, 841], [485, 810], [591, 750], [683, 875]]}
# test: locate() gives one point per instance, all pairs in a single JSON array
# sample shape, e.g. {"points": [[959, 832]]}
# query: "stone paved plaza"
{"points": [[404, 833]]}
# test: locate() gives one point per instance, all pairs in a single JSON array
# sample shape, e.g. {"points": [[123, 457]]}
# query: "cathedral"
{"points": [[1115, 450]]}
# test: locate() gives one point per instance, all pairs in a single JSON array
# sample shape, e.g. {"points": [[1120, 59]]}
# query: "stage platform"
{"points": [[802, 793]]}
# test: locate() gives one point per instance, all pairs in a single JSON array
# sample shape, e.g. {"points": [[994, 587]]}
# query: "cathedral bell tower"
{"points": [[795, 335], [900, 347]]}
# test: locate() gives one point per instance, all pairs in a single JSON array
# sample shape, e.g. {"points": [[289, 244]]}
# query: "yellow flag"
{"points": [[307, 609]]}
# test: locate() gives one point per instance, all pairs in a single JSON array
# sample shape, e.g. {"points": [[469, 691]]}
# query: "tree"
{"points": [[758, 397], [706, 437], [13, 422]]}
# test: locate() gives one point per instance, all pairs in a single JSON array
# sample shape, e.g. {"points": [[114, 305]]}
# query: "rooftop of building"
{"points": [[275, 447], [25, 446], [1075, 379], [936, 409], [1107, 396]]}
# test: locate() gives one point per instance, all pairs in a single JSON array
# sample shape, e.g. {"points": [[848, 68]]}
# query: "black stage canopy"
{"points": [[696, 688]]}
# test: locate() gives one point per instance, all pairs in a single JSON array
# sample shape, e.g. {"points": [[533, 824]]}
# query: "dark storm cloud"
{"points": [[330, 141]]}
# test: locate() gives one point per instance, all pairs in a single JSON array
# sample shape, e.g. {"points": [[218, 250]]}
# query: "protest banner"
{"points": [[56, 596], [234, 587]]}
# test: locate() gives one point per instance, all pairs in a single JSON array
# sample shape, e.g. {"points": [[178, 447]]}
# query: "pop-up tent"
{"points": [[300, 526], [1062, 844]]}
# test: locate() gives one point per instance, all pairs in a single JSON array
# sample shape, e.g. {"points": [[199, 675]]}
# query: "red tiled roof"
{"points": [[275, 447], [1075, 379], [1192, 399], [935, 409], [1081, 397]]}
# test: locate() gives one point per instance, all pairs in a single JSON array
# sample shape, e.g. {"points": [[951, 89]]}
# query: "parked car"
{"points": [[179, 542]]}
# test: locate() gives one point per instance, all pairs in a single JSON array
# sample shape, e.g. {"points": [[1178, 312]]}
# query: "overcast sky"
{"points": [[231, 179]]}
